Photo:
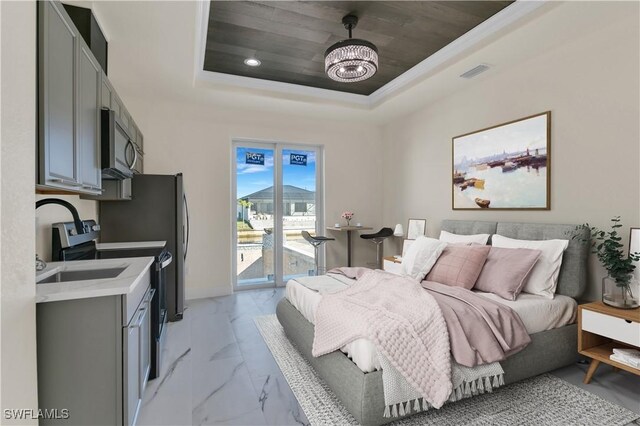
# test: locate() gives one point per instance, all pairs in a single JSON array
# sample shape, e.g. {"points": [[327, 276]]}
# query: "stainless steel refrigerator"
{"points": [[157, 210]]}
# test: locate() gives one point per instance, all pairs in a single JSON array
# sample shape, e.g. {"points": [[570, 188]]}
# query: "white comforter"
{"points": [[537, 313]]}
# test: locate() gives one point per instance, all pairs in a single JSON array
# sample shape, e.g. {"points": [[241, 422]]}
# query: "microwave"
{"points": [[119, 154]]}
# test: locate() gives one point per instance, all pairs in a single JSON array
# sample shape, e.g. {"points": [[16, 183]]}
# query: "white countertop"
{"points": [[124, 283], [130, 245]]}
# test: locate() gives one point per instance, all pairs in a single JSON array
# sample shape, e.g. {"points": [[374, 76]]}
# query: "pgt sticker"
{"points": [[298, 159], [254, 158]]}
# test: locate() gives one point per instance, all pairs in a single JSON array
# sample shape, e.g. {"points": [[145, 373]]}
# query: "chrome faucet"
{"points": [[69, 206]]}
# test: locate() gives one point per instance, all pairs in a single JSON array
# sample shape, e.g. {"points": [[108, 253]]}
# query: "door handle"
{"points": [[166, 262], [149, 297], [135, 154], [186, 209], [92, 187], [64, 181], [139, 319]]}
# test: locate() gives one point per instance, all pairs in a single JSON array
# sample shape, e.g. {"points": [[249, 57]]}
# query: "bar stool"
{"points": [[378, 238], [316, 242]]}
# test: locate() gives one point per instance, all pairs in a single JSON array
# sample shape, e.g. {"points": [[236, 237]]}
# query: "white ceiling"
{"points": [[154, 48]]}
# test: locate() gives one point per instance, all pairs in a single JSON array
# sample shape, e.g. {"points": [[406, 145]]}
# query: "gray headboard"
{"points": [[573, 274]]}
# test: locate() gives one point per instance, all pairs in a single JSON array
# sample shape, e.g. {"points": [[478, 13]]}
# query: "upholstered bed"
{"points": [[362, 393]]}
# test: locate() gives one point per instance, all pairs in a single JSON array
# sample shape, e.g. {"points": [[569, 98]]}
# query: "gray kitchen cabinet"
{"points": [[94, 357], [125, 117], [107, 91], [57, 131], [140, 141], [112, 190], [116, 104], [69, 103], [133, 131], [72, 91], [89, 105]]}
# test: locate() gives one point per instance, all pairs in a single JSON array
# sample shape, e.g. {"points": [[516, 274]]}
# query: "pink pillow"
{"points": [[459, 265], [506, 271]]}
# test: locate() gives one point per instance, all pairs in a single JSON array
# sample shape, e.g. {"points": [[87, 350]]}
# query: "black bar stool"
{"points": [[316, 242], [378, 238]]}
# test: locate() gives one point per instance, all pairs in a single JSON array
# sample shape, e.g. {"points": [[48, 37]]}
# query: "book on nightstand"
{"points": [[626, 356]]}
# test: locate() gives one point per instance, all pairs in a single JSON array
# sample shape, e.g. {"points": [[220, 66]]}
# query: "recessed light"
{"points": [[342, 69], [252, 62]]}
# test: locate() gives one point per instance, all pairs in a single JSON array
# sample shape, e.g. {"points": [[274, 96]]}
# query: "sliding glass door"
{"points": [[299, 205], [277, 194]]}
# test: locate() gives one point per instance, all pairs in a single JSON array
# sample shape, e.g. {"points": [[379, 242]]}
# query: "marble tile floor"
{"points": [[218, 370]]}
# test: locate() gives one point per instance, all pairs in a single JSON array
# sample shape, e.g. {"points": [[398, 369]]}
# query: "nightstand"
{"points": [[602, 328], [392, 264]]}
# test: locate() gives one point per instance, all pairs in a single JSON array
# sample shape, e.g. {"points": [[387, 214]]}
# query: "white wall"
{"points": [[17, 291], [51, 213], [196, 140], [591, 85]]}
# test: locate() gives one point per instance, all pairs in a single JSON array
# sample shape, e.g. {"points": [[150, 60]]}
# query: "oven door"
{"points": [[160, 301], [159, 312]]}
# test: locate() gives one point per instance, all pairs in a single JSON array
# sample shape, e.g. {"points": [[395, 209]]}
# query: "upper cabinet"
{"points": [[58, 59], [90, 31], [72, 90], [90, 86]]}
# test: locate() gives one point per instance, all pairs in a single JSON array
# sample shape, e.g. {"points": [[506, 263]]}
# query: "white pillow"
{"points": [[448, 237], [543, 279], [421, 256]]}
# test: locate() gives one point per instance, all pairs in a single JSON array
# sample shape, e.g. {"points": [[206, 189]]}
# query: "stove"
{"points": [[67, 245]]}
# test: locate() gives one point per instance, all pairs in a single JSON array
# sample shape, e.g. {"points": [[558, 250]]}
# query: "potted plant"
{"points": [[619, 288]]}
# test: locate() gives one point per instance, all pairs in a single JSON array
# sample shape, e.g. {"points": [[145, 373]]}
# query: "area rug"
{"points": [[542, 400]]}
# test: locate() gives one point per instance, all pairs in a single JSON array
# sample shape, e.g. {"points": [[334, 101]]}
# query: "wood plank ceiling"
{"points": [[290, 37]]}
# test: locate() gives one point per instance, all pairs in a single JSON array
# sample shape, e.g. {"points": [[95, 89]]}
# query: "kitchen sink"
{"points": [[82, 275]]}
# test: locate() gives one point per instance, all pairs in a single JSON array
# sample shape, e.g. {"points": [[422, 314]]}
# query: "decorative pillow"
{"points": [[543, 279], [506, 270], [448, 237], [421, 256], [459, 265]]}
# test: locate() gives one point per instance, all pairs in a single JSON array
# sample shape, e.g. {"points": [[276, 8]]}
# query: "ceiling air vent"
{"points": [[475, 71]]}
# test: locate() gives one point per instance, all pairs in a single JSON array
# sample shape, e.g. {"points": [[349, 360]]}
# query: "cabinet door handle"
{"points": [[139, 319], [64, 181], [149, 297], [92, 187]]}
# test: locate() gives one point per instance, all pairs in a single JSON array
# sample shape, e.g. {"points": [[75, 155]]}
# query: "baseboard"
{"points": [[205, 292]]}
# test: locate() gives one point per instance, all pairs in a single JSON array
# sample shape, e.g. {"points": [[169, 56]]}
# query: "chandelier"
{"points": [[353, 59]]}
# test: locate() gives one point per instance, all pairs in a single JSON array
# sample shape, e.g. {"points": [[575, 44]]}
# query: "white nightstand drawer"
{"points": [[611, 327], [393, 267]]}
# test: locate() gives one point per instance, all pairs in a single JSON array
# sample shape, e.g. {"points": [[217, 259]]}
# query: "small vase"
{"points": [[348, 222], [623, 294]]}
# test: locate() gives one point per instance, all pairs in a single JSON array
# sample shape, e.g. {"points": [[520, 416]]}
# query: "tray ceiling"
{"points": [[290, 37]]}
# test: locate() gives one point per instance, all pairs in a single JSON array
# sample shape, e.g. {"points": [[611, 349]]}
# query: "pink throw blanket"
{"points": [[400, 318], [481, 331]]}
